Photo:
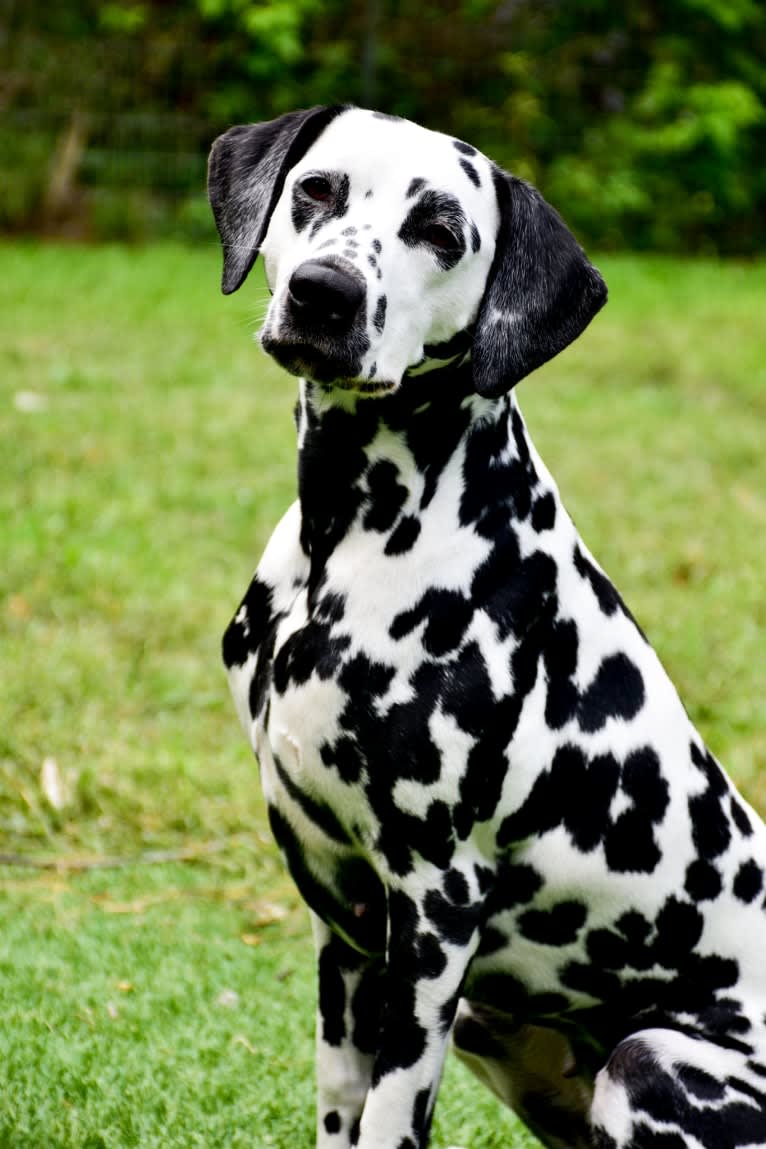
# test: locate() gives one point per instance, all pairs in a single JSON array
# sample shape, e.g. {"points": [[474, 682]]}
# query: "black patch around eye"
{"points": [[305, 209], [415, 186], [466, 149], [440, 209], [471, 172]]}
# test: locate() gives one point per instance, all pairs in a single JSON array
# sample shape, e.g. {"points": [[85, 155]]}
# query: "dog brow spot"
{"points": [[416, 185], [471, 172], [379, 318]]}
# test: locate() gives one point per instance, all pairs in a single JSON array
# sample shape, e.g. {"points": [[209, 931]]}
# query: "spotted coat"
{"points": [[480, 776]]}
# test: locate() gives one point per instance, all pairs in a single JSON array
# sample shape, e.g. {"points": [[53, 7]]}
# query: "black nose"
{"points": [[320, 294]]}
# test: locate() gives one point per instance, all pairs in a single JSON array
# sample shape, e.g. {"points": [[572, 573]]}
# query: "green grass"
{"points": [[148, 450]]}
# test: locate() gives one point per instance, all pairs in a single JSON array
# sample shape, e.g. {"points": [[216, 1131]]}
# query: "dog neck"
{"points": [[432, 448]]}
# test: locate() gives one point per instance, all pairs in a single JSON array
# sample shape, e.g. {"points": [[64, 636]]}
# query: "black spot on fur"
{"points": [[560, 658], [643, 780], [404, 536], [740, 817], [609, 599], [463, 148], [679, 928], [379, 318], [245, 634], [455, 923], [312, 648], [630, 846], [475, 238], [608, 950], [516, 885], [431, 960], [415, 186], [748, 882], [699, 1083], [366, 1008], [703, 882], [471, 172], [447, 615], [575, 792], [332, 1122], [456, 887], [557, 926], [387, 496], [710, 826], [617, 691], [332, 996], [344, 755], [544, 512]]}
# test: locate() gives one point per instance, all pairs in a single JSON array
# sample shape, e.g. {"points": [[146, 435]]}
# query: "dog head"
{"points": [[390, 248]]}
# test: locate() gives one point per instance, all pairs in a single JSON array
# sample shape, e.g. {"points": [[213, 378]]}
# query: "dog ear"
{"points": [[541, 291], [246, 173]]}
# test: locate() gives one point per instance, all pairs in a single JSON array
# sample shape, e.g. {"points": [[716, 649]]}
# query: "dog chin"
{"points": [[309, 362]]}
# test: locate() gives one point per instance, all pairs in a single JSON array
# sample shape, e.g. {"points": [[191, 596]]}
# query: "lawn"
{"points": [[148, 450]]}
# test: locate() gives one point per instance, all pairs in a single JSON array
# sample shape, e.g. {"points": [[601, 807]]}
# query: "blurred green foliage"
{"points": [[645, 122]]}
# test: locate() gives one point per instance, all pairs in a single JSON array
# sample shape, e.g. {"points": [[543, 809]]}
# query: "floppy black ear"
{"points": [[246, 174], [541, 292]]}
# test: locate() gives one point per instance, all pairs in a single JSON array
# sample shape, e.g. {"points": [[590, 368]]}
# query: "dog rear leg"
{"points": [[662, 1089], [348, 1018], [532, 1069]]}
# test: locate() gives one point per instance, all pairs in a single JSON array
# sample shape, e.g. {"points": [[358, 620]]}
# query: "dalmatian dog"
{"points": [[480, 776]]}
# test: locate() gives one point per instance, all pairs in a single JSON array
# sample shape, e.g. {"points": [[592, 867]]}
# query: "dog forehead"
{"points": [[383, 153]]}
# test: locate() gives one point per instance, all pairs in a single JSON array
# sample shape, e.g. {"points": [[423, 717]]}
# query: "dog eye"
{"points": [[440, 237], [317, 188]]}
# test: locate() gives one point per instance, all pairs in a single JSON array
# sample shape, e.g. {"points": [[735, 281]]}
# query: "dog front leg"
{"points": [[431, 942], [348, 1019]]}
